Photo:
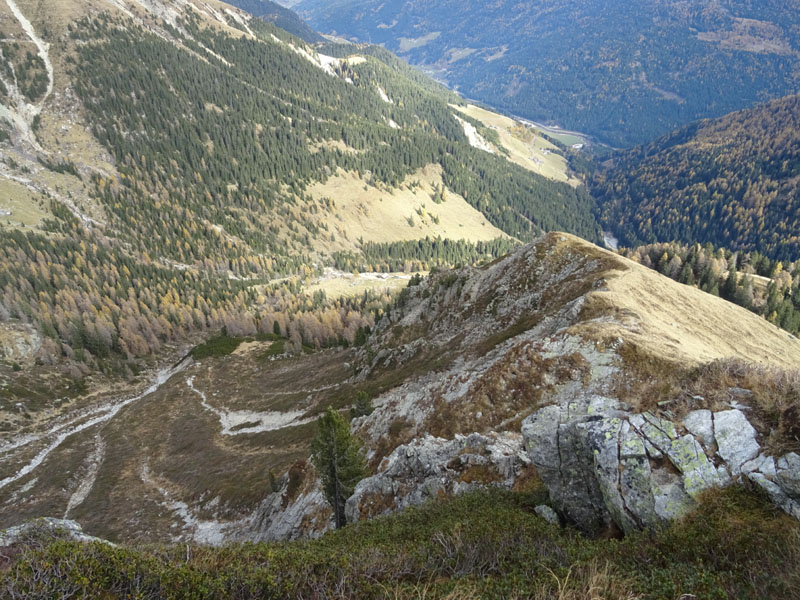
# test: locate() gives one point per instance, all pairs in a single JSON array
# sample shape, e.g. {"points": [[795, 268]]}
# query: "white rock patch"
{"points": [[476, 140], [238, 422]]}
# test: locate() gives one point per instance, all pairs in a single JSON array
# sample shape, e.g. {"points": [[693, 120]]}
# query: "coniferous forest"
{"points": [[730, 181], [215, 148]]}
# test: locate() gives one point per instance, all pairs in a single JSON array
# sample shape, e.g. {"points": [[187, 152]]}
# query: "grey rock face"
{"points": [[603, 465], [309, 515], [64, 527], [736, 439], [777, 494], [287, 515], [701, 425], [547, 513], [428, 467], [788, 474]]}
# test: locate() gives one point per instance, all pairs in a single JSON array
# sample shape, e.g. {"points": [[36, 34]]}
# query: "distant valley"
{"points": [[620, 72]]}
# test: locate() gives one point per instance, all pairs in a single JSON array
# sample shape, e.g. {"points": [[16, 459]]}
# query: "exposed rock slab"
{"points": [[736, 439], [604, 466], [430, 467], [62, 527]]}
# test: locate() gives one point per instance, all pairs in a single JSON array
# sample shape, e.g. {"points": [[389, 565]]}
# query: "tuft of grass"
{"points": [[654, 383], [775, 398]]}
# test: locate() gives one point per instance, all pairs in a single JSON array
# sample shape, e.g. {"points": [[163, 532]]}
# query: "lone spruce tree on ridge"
{"points": [[339, 459]]}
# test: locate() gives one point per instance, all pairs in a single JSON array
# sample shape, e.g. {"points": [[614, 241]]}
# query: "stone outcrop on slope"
{"points": [[431, 467], [551, 337], [606, 466], [45, 526], [297, 509]]}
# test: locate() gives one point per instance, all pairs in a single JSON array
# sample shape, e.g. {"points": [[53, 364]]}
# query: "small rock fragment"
{"points": [[547, 513]]}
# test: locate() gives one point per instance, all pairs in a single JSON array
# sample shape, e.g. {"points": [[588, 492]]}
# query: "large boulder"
{"points": [[605, 466], [45, 526]]}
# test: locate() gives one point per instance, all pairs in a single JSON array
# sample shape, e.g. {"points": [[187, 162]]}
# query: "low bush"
{"points": [[487, 544]]}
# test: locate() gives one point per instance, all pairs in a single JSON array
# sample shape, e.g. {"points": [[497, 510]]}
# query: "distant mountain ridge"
{"points": [[732, 181], [279, 16], [623, 72]]}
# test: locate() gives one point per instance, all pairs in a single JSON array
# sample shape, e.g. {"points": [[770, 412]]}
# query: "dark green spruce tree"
{"points": [[339, 459]]}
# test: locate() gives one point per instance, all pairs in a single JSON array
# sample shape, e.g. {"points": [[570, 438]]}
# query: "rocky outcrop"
{"points": [[45, 526], [551, 336], [605, 466], [297, 509], [431, 467]]}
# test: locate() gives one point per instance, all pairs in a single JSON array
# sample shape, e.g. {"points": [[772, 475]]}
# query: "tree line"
{"points": [[767, 287]]}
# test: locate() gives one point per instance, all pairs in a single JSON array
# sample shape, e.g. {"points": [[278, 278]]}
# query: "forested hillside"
{"points": [[731, 181], [214, 127], [623, 72]]}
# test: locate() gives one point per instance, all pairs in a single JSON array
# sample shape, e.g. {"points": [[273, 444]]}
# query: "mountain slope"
{"points": [[732, 181], [167, 157], [625, 73], [280, 17], [216, 450]]}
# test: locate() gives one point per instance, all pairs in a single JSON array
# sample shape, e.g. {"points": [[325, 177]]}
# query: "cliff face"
{"points": [[631, 393]]}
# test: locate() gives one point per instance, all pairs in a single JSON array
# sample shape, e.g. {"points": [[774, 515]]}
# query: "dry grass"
{"points": [[659, 385], [179, 443], [775, 399], [683, 349], [349, 286], [525, 147], [374, 214], [27, 208], [680, 323], [587, 581]]}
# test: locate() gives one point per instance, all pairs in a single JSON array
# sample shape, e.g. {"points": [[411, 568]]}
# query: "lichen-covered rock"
{"points": [[604, 465], [700, 424], [736, 439], [699, 473], [430, 467], [564, 461], [635, 478], [670, 499]]}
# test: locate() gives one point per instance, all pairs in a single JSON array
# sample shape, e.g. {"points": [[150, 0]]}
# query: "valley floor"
{"points": [[189, 456]]}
